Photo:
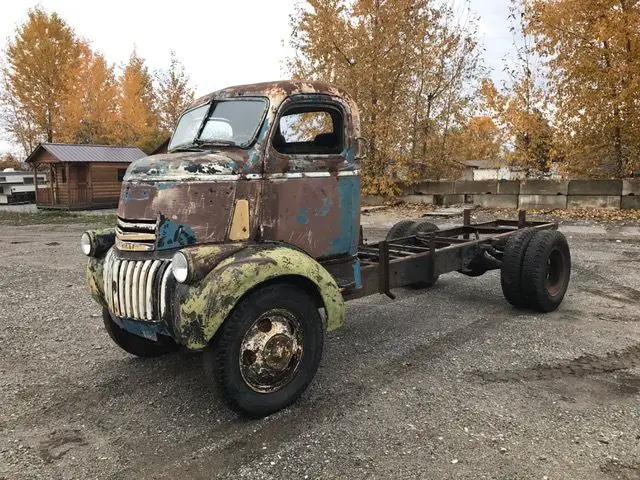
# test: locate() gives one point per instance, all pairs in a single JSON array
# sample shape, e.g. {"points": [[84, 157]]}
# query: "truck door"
{"points": [[311, 195]]}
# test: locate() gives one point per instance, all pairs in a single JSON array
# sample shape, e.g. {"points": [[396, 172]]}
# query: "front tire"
{"points": [[134, 344], [267, 351]]}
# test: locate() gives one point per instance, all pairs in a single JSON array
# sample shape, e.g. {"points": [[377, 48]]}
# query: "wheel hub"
{"points": [[271, 351]]}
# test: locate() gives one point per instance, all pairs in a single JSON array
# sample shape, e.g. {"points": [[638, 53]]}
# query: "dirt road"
{"points": [[446, 383]]}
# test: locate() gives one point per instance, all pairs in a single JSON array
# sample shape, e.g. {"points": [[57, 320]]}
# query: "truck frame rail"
{"points": [[471, 249]]}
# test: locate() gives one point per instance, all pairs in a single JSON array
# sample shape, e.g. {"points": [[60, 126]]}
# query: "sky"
{"points": [[220, 42]]}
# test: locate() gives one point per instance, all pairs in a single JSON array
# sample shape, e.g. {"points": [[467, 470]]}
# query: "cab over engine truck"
{"points": [[244, 241]]}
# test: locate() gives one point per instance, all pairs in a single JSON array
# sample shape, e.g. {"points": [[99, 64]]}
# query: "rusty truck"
{"points": [[244, 241]]}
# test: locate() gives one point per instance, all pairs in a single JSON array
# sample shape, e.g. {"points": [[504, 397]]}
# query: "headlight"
{"points": [[85, 244], [180, 267]]}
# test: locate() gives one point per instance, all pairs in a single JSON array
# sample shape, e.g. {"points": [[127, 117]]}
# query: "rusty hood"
{"points": [[188, 197], [185, 166]]}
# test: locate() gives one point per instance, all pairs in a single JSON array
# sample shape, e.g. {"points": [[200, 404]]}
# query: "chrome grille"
{"points": [[136, 289], [135, 235]]}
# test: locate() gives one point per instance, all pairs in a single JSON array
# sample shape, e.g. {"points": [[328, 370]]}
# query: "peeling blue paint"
{"points": [[347, 239], [165, 185], [357, 274], [129, 195], [349, 155], [303, 216], [146, 330], [323, 211], [174, 235]]}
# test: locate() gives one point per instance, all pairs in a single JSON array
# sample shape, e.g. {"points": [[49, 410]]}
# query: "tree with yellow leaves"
{"points": [[521, 108], [406, 63], [479, 139], [40, 71], [138, 122], [173, 94], [593, 54], [90, 112]]}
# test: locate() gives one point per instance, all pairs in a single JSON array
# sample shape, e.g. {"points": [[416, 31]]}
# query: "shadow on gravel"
{"points": [[584, 365]]}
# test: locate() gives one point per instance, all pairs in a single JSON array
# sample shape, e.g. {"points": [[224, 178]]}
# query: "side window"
{"points": [[314, 130], [121, 172]]}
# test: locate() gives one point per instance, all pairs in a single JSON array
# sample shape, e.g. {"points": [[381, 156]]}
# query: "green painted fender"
{"points": [[200, 309]]}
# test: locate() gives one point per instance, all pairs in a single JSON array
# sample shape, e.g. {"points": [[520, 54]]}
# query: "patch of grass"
{"points": [[55, 218]]}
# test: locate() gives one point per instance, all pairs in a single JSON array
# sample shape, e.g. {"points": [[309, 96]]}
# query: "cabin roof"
{"points": [[76, 153]]}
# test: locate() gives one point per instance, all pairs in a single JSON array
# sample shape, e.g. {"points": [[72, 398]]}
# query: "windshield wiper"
{"points": [[190, 146], [214, 143]]}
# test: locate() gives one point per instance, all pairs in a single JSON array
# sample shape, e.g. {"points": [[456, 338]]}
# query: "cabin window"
{"points": [[28, 180], [121, 172], [63, 175], [310, 130]]}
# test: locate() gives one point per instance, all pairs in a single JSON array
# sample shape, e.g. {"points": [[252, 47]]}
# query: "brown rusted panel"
{"points": [[318, 214], [187, 212]]}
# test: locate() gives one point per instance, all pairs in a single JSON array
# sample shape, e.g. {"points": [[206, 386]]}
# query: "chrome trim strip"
{"points": [[137, 225]]}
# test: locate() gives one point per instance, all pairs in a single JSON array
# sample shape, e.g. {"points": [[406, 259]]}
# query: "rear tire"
{"points": [[267, 351], [546, 270], [134, 344], [511, 270]]}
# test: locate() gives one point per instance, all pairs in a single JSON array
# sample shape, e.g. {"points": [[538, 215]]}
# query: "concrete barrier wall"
{"points": [[526, 194]]}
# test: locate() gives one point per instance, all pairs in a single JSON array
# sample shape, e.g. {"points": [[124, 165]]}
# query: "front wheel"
{"points": [[267, 351]]}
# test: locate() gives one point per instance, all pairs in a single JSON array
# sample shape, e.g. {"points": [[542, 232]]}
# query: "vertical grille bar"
{"points": [[149, 289], [134, 289], [163, 290], [121, 277], [128, 289], [114, 288], [142, 290]]}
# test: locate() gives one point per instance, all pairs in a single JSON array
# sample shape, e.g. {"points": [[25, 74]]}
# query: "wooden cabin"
{"points": [[80, 177]]}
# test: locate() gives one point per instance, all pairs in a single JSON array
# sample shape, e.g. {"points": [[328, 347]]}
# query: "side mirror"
{"points": [[362, 147]]}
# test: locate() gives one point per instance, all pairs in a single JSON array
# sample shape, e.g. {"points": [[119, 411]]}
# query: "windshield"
{"points": [[231, 122]]}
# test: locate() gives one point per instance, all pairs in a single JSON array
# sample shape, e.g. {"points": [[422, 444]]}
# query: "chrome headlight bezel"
{"points": [[180, 267]]}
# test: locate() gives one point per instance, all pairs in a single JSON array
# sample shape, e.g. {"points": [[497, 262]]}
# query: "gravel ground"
{"points": [[446, 383]]}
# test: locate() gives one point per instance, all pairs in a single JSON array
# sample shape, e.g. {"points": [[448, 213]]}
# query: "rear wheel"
{"points": [[400, 230], [134, 344], [511, 270], [546, 270], [267, 351]]}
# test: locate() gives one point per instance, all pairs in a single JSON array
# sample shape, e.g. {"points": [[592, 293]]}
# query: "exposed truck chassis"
{"points": [[403, 261]]}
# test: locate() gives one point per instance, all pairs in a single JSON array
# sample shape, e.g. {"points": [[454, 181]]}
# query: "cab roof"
{"points": [[276, 91]]}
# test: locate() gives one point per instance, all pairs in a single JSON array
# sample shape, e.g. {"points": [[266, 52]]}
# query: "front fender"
{"points": [[200, 309]]}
